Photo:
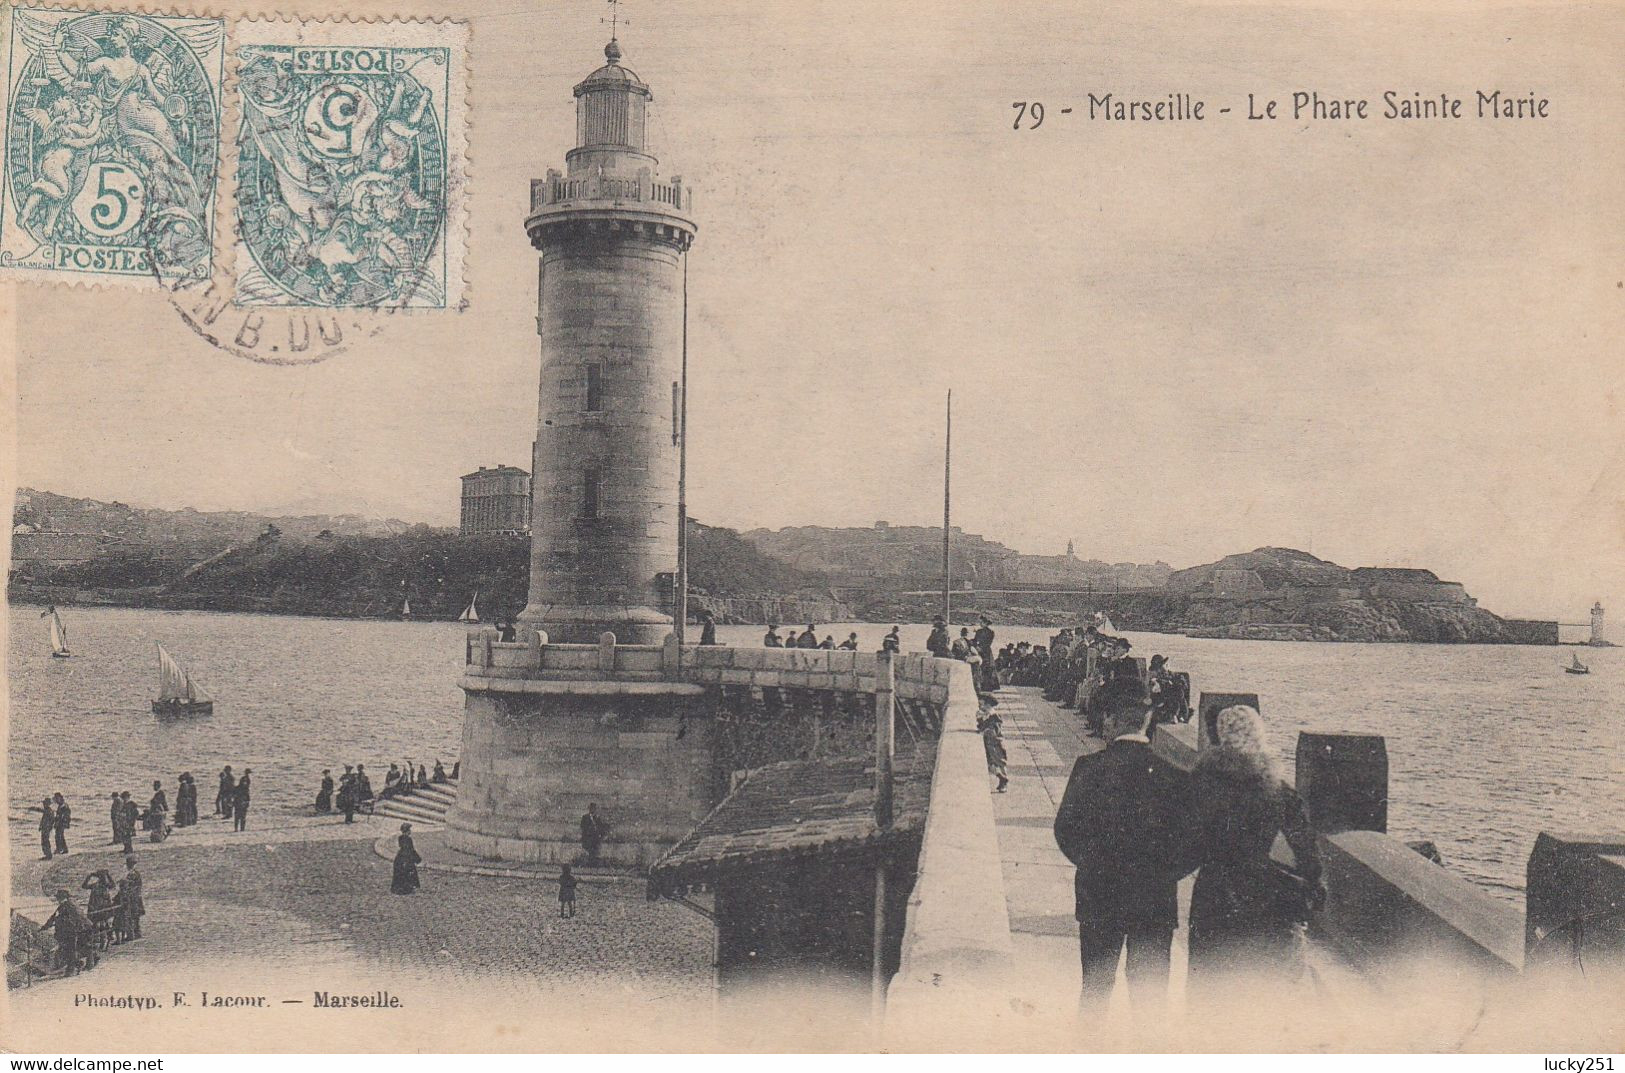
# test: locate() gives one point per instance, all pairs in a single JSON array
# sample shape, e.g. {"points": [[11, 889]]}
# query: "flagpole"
{"points": [[947, 502], [681, 607]]}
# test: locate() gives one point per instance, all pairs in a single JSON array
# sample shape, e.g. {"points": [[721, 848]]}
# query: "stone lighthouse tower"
{"points": [[1596, 624], [613, 237], [560, 725]]}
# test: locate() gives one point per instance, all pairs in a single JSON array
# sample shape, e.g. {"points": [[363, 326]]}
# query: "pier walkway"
{"points": [[1042, 741]]}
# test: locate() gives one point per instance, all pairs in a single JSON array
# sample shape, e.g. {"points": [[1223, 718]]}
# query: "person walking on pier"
{"points": [[239, 802], [186, 801], [992, 731], [324, 796], [156, 819], [135, 905], [347, 794], [708, 627], [222, 800], [404, 879], [593, 830], [61, 822], [1120, 822], [567, 892], [70, 928], [129, 816], [47, 824]]}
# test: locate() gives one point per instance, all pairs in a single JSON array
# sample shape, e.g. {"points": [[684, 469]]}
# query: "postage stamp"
{"points": [[112, 144], [351, 164]]}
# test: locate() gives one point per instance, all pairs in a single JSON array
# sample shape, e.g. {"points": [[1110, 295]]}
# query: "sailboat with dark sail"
{"points": [[178, 694]]}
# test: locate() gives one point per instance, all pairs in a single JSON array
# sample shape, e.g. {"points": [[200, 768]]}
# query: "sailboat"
{"points": [[406, 607], [470, 613], [1577, 667], [177, 693], [59, 637]]}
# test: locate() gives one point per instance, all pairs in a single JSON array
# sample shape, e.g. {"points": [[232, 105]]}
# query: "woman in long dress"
{"points": [[1248, 913], [156, 820], [186, 801], [405, 880]]}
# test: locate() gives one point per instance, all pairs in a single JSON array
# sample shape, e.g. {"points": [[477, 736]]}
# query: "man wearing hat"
{"points": [[938, 644], [71, 928], [1120, 823]]}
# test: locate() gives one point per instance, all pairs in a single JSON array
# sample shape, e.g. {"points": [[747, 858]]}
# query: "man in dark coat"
{"points": [[72, 931], [1121, 823], [239, 802], [64, 819], [222, 800], [132, 816], [593, 830], [135, 905], [937, 644], [347, 794], [708, 627], [115, 814], [47, 824]]}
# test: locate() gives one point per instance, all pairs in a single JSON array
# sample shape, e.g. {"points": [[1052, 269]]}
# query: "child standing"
{"points": [[567, 892]]}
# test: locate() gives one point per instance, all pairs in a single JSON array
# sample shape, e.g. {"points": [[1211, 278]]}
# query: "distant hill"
{"points": [[1274, 568], [894, 557], [117, 523], [326, 565]]}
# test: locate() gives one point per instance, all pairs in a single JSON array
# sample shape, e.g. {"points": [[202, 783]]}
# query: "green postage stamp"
{"points": [[351, 164], [112, 144]]}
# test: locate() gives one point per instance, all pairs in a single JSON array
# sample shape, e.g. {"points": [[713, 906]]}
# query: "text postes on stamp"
{"points": [[112, 144], [351, 165]]}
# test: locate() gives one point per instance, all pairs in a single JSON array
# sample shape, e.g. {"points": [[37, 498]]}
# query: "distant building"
{"points": [[1402, 583], [496, 500], [1596, 624]]}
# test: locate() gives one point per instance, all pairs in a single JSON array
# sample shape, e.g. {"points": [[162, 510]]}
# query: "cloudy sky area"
{"points": [[1389, 343]]}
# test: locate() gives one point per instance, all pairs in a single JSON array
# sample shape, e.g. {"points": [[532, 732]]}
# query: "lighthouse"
{"points": [[568, 722], [613, 239], [1596, 624]]}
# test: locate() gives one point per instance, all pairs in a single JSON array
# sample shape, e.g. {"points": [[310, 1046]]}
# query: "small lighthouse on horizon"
{"points": [[1596, 624]]}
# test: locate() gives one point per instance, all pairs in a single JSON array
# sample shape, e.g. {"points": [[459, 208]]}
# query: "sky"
{"points": [[1388, 343]]}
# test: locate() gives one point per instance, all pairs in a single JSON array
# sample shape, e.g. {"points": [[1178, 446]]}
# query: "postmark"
{"points": [[112, 145], [351, 165]]}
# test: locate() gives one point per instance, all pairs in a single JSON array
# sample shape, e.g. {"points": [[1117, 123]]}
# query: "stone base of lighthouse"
{"points": [[532, 762]]}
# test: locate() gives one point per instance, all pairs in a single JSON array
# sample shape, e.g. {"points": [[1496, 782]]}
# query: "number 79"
{"points": [[1032, 111]]}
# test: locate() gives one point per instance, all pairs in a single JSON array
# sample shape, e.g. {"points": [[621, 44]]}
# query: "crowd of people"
{"points": [[111, 916], [807, 638], [353, 791]]}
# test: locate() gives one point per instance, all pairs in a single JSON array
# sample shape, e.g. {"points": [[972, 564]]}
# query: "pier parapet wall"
{"points": [[643, 733]]}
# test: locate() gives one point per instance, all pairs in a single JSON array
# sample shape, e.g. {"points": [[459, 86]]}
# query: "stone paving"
{"points": [[310, 902]]}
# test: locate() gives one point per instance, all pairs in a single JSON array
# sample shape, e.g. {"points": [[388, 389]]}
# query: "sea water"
{"points": [[1487, 744]]}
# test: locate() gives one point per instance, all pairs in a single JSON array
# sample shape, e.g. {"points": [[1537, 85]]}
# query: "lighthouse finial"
{"points": [[613, 49]]}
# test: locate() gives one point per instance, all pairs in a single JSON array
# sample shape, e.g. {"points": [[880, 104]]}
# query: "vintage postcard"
{"points": [[593, 525]]}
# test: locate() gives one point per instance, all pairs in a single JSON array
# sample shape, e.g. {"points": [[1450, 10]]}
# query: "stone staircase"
{"points": [[428, 805]]}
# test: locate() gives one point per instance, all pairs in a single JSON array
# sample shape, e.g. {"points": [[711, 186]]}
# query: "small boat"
{"points": [[177, 693], [1576, 667], [470, 613], [59, 637], [406, 607]]}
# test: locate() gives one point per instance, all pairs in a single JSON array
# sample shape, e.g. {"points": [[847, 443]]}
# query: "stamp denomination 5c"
{"points": [[351, 164], [112, 145]]}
